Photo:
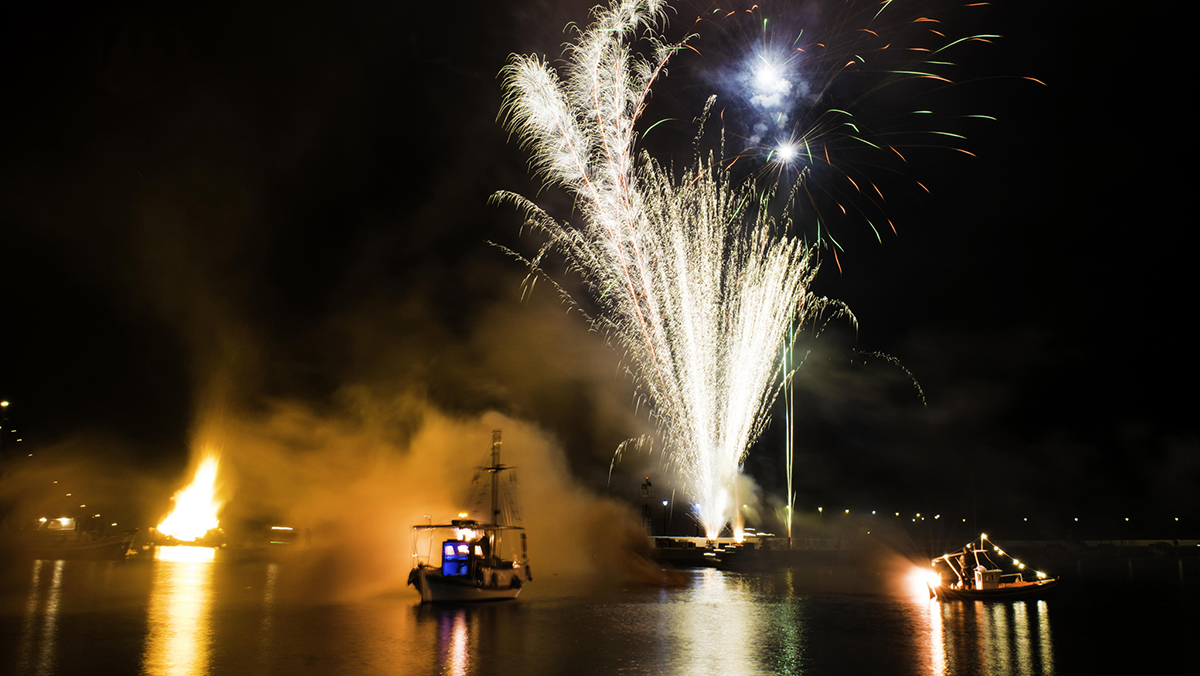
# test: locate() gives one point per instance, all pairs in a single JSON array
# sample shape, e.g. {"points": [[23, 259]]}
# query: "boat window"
{"points": [[454, 558]]}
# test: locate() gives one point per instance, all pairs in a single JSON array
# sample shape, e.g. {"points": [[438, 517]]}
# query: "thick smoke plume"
{"points": [[360, 479]]}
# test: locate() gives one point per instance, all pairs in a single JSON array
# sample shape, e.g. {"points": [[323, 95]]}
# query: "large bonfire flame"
{"points": [[196, 505]]}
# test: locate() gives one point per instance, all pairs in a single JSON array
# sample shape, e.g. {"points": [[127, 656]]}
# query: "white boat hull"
{"points": [[434, 588]]}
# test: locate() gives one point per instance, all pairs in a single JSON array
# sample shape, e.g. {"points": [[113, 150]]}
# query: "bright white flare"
{"points": [[769, 85], [693, 277], [196, 506]]}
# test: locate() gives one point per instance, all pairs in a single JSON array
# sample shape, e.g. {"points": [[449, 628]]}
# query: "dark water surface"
{"points": [[163, 617]]}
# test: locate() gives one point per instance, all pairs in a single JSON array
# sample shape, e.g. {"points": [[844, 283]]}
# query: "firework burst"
{"points": [[825, 97], [693, 277]]}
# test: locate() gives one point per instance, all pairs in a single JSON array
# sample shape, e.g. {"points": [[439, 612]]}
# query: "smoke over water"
{"points": [[355, 419], [402, 437], [358, 480], [331, 325]]}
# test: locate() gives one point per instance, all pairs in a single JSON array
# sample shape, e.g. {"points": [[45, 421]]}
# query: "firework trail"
{"points": [[692, 276]]}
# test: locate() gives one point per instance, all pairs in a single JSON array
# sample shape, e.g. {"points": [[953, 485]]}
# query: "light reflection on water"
{"points": [[182, 617], [1021, 630], [976, 637], [46, 660], [737, 625], [266, 627], [32, 639], [791, 626], [1047, 647], [719, 625], [30, 621], [453, 640], [179, 638], [937, 639], [999, 644]]}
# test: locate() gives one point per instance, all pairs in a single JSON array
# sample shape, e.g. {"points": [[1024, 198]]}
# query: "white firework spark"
{"points": [[692, 276]]}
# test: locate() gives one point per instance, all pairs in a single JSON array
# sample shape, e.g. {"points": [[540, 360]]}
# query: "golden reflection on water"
{"points": [[720, 624], [937, 641], [265, 633], [46, 660], [1024, 652], [454, 638], [42, 641], [180, 615], [1000, 645], [978, 609], [1046, 645], [30, 623], [990, 638], [185, 553]]}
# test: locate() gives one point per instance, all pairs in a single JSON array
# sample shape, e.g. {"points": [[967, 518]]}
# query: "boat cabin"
{"points": [[987, 579], [63, 525], [456, 558]]}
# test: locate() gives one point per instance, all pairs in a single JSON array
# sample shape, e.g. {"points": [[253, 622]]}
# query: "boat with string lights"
{"points": [[474, 560], [972, 575]]}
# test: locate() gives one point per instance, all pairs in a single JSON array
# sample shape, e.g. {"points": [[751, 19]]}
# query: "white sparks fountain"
{"points": [[691, 274]]}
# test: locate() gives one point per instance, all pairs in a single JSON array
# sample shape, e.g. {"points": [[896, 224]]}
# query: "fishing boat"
{"points": [[974, 576], [66, 538], [474, 560]]}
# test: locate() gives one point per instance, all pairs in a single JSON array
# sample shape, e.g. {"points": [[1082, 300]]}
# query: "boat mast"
{"points": [[495, 469]]}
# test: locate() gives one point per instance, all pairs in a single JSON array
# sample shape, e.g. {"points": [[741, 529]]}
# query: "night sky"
{"points": [[265, 203]]}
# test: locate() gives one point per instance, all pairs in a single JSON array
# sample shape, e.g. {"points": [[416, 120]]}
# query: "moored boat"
{"points": [[474, 561], [66, 538], [974, 576]]}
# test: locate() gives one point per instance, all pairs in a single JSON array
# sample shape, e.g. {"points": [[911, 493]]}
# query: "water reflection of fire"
{"points": [[196, 506], [179, 619], [185, 554], [989, 638]]}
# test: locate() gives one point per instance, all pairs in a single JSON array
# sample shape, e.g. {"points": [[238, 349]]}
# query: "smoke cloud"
{"points": [[358, 479]]}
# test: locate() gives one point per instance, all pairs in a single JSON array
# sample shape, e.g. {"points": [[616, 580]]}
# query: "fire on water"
{"points": [[196, 506]]}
